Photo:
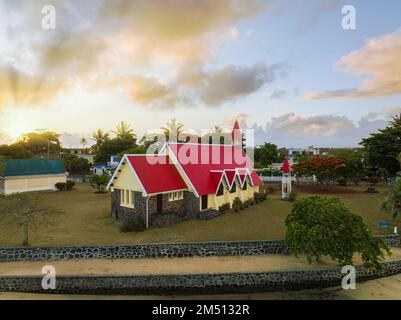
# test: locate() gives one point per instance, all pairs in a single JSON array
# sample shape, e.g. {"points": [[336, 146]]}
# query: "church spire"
{"points": [[236, 135]]}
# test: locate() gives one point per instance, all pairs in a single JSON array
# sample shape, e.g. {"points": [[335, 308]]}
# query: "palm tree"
{"points": [[392, 203], [84, 142], [217, 135], [396, 121], [172, 130], [217, 130], [100, 137], [123, 131]]}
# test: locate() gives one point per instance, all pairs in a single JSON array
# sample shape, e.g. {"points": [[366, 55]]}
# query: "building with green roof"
{"points": [[26, 175]]}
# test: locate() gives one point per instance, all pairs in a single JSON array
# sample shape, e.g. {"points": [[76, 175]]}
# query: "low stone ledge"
{"points": [[138, 251], [157, 250], [196, 283]]}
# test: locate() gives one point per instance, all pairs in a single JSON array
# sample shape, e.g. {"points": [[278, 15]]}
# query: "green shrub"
{"points": [[252, 201], [70, 185], [237, 204], [247, 203], [342, 182], [132, 225], [61, 186], [270, 190], [99, 182], [260, 196], [224, 207], [292, 196]]}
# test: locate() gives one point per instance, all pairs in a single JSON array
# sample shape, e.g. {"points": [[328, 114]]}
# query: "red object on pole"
{"points": [[286, 167]]}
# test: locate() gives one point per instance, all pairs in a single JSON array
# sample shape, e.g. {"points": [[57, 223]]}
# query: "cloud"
{"points": [[158, 94], [149, 90], [24, 89], [232, 82], [212, 87], [378, 62], [278, 94], [4, 139], [318, 9], [103, 40], [241, 117], [293, 130], [392, 111], [69, 140]]}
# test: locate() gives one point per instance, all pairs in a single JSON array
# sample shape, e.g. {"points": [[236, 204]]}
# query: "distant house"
{"points": [[184, 180], [82, 153], [107, 168], [25, 175], [310, 151]]}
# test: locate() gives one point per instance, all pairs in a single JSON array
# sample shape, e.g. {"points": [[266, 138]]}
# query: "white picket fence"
{"points": [[271, 178]]}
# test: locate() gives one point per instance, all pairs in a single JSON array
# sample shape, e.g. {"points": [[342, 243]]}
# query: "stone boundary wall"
{"points": [[196, 283], [161, 250]]}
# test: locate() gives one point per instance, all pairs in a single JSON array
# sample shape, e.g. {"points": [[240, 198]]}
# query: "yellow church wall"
{"points": [[215, 201], [126, 179]]}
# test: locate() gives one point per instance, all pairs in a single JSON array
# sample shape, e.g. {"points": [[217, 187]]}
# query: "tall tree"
{"points": [[84, 142], [172, 130], [383, 148], [353, 168], [392, 203], [114, 147], [123, 131], [100, 137], [324, 169], [41, 142], [266, 154], [320, 226], [150, 141], [15, 151], [26, 210]]}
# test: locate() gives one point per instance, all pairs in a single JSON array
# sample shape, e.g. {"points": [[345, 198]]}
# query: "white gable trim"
{"points": [[115, 173], [162, 149], [223, 176], [235, 177], [125, 159], [247, 174]]}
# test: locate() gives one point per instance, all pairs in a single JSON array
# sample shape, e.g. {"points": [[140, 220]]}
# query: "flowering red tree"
{"points": [[324, 169]]}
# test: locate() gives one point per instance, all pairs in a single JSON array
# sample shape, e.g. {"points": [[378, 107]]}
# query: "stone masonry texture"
{"points": [[156, 250], [173, 211], [196, 283]]}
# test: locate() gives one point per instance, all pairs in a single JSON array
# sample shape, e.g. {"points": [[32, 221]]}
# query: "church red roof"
{"points": [[236, 133], [203, 166], [156, 173], [198, 161], [230, 174]]}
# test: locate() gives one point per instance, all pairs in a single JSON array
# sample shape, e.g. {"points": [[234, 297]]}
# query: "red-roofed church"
{"points": [[185, 180]]}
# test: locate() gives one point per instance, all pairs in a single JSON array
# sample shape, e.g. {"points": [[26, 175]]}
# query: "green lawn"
{"points": [[86, 221]]}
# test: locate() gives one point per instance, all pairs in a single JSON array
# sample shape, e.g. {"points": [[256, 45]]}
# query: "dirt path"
{"points": [[168, 266]]}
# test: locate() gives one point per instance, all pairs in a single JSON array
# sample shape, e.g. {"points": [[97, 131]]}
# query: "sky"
{"points": [[288, 70]]}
